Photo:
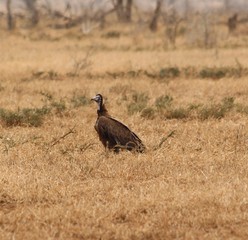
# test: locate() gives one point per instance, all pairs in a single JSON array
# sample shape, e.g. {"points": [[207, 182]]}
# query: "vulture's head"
{"points": [[98, 99]]}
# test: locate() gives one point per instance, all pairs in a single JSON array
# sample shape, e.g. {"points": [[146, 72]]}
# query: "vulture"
{"points": [[113, 134]]}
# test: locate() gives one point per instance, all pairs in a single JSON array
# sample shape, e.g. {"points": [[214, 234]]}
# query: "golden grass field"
{"points": [[190, 185]]}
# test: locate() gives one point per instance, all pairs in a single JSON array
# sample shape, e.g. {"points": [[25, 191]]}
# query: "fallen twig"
{"points": [[164, 139], [84, 148], [71, 130]]}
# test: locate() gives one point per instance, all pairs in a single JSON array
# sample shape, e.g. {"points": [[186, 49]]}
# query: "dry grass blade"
{"points": [[163, 140], [86, 146], [56, 141]]}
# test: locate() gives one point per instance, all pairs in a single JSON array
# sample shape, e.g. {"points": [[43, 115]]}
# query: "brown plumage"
{"points": [[112, 133]]}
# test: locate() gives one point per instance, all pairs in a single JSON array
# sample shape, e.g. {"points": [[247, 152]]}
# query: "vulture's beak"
{"points": [[93, 99]]}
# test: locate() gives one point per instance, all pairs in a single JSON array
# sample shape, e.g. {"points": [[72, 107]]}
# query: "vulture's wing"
{"points": [[117, 133]]}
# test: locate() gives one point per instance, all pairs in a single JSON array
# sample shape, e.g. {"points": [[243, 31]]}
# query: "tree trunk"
{"points": [[128, 13], [154, 22], [120, 10], [34, 14], [187, 9], [10, 20], [123, 10], [232, 23]]}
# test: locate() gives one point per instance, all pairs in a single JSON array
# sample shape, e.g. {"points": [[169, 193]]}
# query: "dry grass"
{"points": [[194, 186]]}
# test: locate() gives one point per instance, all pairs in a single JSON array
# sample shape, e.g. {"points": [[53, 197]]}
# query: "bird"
{"points": [[113, 134]]}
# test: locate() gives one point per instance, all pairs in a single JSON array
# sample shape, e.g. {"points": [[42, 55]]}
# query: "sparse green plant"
{"points": [[212, 111], [79, 100], [228, 103], [177, 113], [148, 113], [135, 107], [50, 102], [25, 117], [48, 96], [164, 73], [8, 143], [112, 34], [240, 108], [58, 106], [169, 72], [214, 73], [194, 106], [133, 73], [115, 74], [130, 74], [140, 97], [189, 71], [217, 110], [52, 74], [163, 101], [139, 102]]}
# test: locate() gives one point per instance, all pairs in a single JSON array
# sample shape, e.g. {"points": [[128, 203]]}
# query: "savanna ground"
{"points": [[189, 106]]}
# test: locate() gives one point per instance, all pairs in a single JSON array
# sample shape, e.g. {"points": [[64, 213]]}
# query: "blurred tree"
{"points": [[10, 20], [128, 14], [119, 9], [123, 10], [232, 23], [34, 14], [187, 9], [172, 21], [154, 22], [227, 5]]}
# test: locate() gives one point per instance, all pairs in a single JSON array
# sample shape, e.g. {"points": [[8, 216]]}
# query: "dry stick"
{"points": [[71, 130], [83, 149], [164, 139]]}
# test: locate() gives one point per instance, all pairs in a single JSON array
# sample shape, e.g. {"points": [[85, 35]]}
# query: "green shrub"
{"points": [[166, 72], [212, 111], [112, 34], [58, 106], [135, 107], [240, 108], [78, 101], [217, 110], [194, 106], [177, 113], [169, 72], [148, 113], [228, 103], [139, 102], [26, 117], [214, 73], [163, 101], [140, 98]]}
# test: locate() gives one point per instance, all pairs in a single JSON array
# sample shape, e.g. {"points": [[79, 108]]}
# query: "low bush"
{"points": [[139, 102], [163, 101], [27, 117]]}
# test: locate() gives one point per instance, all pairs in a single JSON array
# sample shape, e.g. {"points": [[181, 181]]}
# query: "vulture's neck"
{"points": [[102, 111]]}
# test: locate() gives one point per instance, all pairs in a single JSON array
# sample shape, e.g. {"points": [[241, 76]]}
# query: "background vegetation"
{"points": [[186, 99]]}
